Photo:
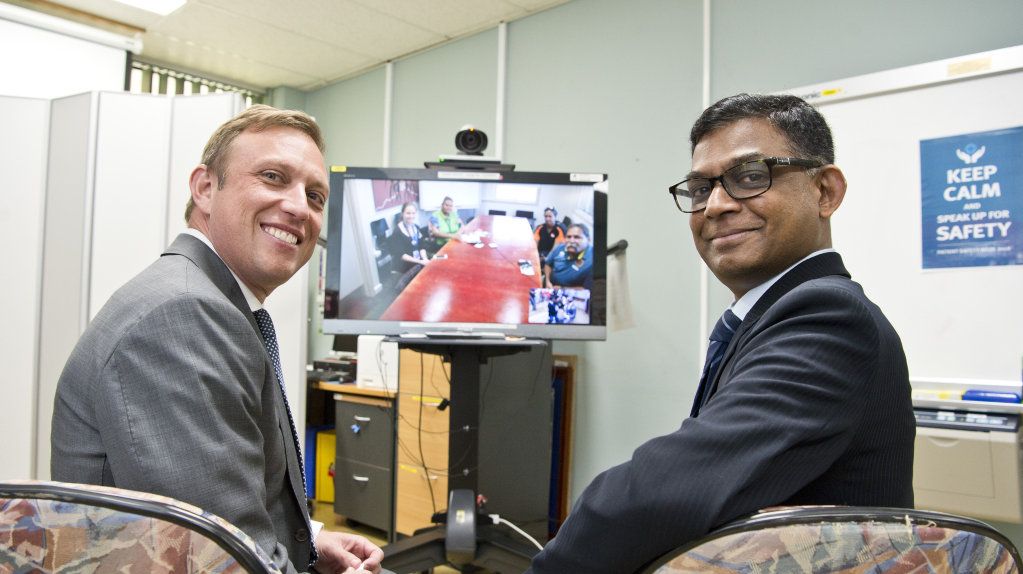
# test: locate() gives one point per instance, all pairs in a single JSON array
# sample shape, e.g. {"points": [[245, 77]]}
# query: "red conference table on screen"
{"points": [[474, 284]]}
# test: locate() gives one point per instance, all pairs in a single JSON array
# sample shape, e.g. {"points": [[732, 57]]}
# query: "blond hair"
{"points": [[257, 118]]}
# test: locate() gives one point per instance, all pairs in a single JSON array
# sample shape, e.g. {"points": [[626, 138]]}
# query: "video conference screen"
{"points": [[427, 250]]}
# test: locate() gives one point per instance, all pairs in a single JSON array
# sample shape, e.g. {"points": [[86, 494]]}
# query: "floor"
{"points": [[324, 512]]}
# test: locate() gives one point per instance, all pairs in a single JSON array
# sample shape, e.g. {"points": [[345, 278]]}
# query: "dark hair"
{"points": [[582, 228], [808, 133], [553, 211]]}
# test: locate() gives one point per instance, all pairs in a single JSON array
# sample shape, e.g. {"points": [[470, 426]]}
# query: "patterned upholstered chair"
{"points": [[51, 527], [849, 540]]}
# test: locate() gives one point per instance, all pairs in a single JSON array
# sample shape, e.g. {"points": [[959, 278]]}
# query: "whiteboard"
{"points": [[958, 323]]}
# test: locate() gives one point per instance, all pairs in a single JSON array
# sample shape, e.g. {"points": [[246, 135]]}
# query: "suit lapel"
{"points": [[823, 265], [214, 267]]}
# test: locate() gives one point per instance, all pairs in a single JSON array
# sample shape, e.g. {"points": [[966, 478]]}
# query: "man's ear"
{"points": [[202, 182], [832, 187]]}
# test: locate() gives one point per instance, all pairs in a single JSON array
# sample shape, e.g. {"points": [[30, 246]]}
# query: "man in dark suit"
{"points": [[174, 386], [805, 398]]}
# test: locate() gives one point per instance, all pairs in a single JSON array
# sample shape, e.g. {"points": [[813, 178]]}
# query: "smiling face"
{"points": [[408, 215], [265, 219], [746, 242]]}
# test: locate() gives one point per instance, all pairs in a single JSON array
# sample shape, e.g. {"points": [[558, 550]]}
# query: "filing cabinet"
{"points": [[364, 467]]}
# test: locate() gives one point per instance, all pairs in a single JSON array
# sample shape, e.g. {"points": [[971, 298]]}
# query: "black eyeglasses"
{"points": [[743, 181]]}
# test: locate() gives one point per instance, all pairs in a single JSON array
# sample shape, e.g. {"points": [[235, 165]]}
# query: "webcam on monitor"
{"points": [[471, 144], [470, 140]]}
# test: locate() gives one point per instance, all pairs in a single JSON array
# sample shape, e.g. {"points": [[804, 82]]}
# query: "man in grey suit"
{"points": [[805, 396], [174, 386]]}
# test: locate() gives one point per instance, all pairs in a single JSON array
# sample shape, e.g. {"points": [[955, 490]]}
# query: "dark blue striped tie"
{"points": [[266, 328], [719, 339]]}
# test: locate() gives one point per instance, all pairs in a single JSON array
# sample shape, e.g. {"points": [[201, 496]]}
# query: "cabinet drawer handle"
{"points": [[942, 441], [358, 478], [361, 419]]}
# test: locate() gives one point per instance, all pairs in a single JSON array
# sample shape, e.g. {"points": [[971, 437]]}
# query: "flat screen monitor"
{"points": [[466, 252]]}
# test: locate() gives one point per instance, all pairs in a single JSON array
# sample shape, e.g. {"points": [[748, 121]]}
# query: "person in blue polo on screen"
{"points": [[570, 264]]}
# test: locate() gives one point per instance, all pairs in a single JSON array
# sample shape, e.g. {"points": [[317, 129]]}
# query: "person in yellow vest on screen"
{"points": [[445, 223]]}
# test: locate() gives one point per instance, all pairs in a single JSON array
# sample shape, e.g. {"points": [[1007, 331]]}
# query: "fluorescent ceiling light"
{"points": [[161, 7]]}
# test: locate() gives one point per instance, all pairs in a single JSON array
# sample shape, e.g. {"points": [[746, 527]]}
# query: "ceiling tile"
{"points": [[341, 23], [221, 34], [301, 43], [450, 18], [232, 66], [536, 5]]}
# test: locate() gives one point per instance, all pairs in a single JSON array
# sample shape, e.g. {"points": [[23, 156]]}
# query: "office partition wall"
{"points": [[23, 161], [108, 210]]}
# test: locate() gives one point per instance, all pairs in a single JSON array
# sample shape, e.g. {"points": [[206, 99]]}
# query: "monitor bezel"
{"points": [[335, 207]]}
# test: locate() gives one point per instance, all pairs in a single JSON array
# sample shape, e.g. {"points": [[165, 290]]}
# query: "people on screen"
{"points": [[445, 223], [549, 233], [559, 306], [562, 307], [570, 264], [407, 244]]}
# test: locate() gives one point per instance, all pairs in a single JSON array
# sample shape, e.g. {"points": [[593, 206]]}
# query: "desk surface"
{"points": [[474, 284], [351, 389]]}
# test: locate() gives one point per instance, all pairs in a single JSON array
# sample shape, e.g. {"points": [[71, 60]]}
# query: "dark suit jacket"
{"points": [[170, 390], [811, 406]]}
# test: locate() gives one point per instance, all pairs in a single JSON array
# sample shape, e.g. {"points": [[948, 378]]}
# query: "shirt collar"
{"points": [[254, 303], [747, 301]]}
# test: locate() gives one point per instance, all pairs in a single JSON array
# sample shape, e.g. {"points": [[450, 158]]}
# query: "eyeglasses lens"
{"points": [[748, 179], [742, 181]]}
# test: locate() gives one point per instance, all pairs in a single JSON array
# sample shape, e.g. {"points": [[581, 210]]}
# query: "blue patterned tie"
{"points": [[266, 327], [719, 339]]}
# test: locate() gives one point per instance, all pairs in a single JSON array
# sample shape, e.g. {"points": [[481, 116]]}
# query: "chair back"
{"points": [[378, 228], [528, 215], [60, 527], [850, 540]]}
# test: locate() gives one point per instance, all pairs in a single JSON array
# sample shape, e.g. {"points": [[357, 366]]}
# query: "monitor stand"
{"points": [[466, 540]]}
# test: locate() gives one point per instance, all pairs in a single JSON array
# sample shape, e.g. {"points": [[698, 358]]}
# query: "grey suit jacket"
{"points": [[811, 406], [170, 390]]}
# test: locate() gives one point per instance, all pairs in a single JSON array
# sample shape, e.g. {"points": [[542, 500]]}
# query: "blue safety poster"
{"points": [[972, 199]]}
